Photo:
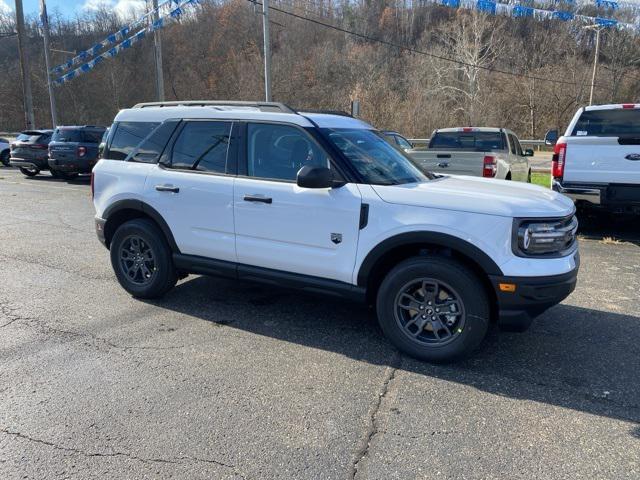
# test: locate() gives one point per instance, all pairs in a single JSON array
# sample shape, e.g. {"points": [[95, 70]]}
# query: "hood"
{"points": [[479, 195]]}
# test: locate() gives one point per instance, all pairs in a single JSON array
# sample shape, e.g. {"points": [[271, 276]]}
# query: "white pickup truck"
{"points": [[597, 161], [478, 152]]}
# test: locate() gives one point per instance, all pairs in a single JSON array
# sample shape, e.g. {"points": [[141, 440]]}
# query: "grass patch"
{"points": [[542, 179]]}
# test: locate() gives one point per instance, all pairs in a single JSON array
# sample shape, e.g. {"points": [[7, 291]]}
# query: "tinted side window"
{"points": [[279, 151], [127, 137], [518, 147], [202, 146], [151, 148], [92, 136], [512, 144], [404, 143]]}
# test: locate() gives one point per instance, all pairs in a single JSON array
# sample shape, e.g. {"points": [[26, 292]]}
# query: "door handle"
{"points": [[167, 188], [258, 198], [443, 164]]}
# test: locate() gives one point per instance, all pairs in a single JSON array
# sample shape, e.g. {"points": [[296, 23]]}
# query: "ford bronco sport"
{"points": [[321, 202]]}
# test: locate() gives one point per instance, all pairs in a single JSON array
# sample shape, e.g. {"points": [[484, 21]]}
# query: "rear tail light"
{"points": [[489, 166], [628, 105], [82, 151], [557, 161], [39, 146], [92, 186]]}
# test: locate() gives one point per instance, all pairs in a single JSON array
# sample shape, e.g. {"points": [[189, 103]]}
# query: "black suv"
{"points": [[74, 150], [29, 151]]}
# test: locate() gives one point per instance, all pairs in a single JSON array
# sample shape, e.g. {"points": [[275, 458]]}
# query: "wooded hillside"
{"points": [[215, 52]]}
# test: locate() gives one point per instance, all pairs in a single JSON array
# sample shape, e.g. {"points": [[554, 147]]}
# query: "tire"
{"points": [[55, 173], [466, 326], [29, 172], [161, 276], [4, 158]]}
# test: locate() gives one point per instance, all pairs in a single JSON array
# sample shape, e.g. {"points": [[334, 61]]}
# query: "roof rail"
{"points": [[263, 106], [342, 113]]}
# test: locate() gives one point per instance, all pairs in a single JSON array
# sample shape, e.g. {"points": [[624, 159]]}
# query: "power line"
{"points": [[416, 51]]}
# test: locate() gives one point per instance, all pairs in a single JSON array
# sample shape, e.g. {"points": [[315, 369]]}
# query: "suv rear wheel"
{"points": [[4, 158], [433, 308], [141, 259]]}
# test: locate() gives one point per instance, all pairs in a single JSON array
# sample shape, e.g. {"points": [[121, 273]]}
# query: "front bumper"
{"points": [[579, 193], [531, 297]]}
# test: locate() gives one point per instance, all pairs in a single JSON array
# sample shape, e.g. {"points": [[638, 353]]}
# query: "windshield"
{"points": [[475, 141], [374, 158]]}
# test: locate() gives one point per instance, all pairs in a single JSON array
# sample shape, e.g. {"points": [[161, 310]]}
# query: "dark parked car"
{"points": [[74, 150], [29, 152]]}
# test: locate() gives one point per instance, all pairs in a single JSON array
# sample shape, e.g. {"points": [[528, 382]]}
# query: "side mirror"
{"points": [[551, 137], [315, 177], [528, 152]]}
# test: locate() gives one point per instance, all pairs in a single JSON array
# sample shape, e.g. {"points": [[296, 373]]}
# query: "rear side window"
{"points": [[92, 136], [472, 141], [127, 137], [202, 146], [151, 148], [404, 143], [512, 143], [608, 123]]}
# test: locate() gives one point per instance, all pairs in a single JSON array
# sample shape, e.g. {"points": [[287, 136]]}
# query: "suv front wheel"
{"points": [[141, 259], [433, 308]]}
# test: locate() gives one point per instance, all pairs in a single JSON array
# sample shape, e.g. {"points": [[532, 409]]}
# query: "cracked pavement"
{"points": [[232, 380]]}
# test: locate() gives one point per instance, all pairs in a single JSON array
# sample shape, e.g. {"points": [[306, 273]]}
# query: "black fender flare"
{"points": [[432, 238], [148, 211]]}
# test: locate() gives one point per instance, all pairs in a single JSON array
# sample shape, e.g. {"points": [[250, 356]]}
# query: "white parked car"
{"points": [[597, 160], [475, 151], [321, 202]]}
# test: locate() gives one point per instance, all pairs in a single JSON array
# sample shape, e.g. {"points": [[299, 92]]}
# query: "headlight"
{"points": [[545, 237]]}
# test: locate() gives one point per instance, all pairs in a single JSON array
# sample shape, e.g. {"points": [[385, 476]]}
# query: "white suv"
{"points": [[321, 202]]}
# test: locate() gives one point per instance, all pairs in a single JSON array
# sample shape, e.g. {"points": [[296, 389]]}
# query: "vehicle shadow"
{"points": [[47, 178], [572, 357], [601, 225]]}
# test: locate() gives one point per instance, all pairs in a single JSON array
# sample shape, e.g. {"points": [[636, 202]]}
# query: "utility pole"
{"points": [[24, 68], [44, 17], [157, 49], [267, 50], [598, 29]]}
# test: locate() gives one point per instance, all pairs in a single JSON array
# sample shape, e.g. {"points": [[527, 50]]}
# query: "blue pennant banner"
{"points": [[517, 11], [112, 39], [124, 44]]}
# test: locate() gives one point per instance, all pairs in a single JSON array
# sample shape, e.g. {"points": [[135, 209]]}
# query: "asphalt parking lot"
{"points": [[231, 380]]}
